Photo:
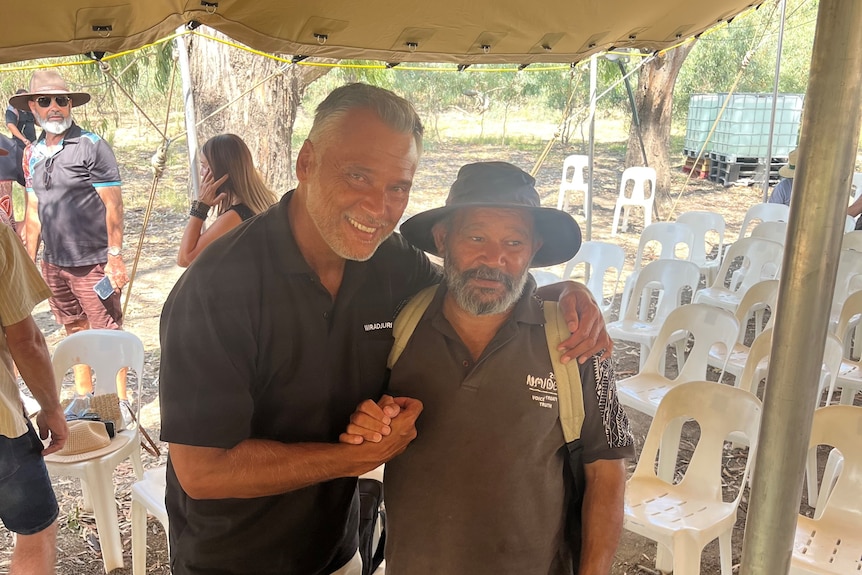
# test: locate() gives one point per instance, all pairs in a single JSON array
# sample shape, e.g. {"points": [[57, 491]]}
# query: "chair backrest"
{"points": [[852, 307], [841, 427], [667, 277], [848, 277], [599, 257], [106, 351], [702, 223], [639, 176], [720, 410], [760, 349], [574, 173], [764, 213], [668, 235], [775, 231], [759, 255], [852, 241], [763, 293], [707, 324], [833, 354]]}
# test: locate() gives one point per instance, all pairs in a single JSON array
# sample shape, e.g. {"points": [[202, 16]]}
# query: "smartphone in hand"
{"points": [[103, 288]]}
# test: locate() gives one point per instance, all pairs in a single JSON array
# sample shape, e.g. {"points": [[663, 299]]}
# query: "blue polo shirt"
{"points": [[65, 179]]}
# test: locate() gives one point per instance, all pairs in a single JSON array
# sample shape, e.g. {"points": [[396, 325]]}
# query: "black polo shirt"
{"points": [[253, 346], [481, 490]]}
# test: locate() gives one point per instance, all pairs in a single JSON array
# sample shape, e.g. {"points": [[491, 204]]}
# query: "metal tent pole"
{"points": [[827, 152], [189, 107], [588, 204], [774, 100]]}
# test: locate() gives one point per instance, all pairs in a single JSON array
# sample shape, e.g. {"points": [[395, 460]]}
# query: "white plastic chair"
{"points": [[832, 543], [756, 300], [683, 518], [665, 278], [148, 495], [849, 224], [639, 176], [855, 187], [599, 258], [848, 280], [775, 231], [544, 277], [852, 241], [708, 326], [574, 179], [701, 224], [761, 259], [764, 213], [669, 236], [850, 374], [106, 352]]}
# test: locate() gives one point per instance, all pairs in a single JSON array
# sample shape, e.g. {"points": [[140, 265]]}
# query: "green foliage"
{"points": [[716, 59]]}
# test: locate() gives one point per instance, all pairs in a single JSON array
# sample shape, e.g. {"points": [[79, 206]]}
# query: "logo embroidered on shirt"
{"points": [[378, 326], [543, 389]]}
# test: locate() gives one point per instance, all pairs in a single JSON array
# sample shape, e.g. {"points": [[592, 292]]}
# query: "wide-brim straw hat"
{"points": [[47, 83], [500, 185], [86, 440], [789, 169]]}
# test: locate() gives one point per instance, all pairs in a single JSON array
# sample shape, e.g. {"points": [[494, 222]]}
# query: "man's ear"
{"points": [[440, 231], [32, 105], [305, 161]]}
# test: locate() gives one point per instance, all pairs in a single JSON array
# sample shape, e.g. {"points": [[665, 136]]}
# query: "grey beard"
{"points": [[56, 128], [466, 297]]}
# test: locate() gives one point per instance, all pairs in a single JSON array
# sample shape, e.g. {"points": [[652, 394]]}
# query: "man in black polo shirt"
{"points": [[75, 206], [276, 333], [483, 490]]}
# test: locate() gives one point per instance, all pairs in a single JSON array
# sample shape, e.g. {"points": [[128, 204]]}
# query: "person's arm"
{"points": [[194, 241], [29, 352], [115, 269], [855, 208], [259, 467], [584, 319], [17, 133], [601, 515], [32, 225]]}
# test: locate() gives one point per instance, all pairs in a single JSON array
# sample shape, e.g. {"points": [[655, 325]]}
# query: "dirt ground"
{"points": [[78, 541]]}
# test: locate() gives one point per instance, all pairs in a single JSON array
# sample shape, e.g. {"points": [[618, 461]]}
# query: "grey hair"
{"points": [[393, 110]]}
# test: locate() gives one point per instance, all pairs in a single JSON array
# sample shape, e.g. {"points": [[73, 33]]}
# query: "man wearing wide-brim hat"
{"points": [[74, 206], [479, 361], [781, 193]]}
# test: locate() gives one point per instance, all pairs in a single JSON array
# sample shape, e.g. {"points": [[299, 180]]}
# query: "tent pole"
{"points": [[191, 123], [827, 152], [774, 99], [588, 204]]}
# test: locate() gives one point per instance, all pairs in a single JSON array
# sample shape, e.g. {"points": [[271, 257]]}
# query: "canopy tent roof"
{"points": [[489, 31]]}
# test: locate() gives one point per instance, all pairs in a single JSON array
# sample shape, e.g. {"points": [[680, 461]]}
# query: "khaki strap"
{"points": [[569, 392]]}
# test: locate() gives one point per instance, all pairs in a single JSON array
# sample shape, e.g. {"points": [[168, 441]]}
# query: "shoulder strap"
{"points": [[569, 392], [407, 321]]}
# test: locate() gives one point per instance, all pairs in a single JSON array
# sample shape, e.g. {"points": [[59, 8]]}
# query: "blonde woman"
{"points": [[231, 184]]}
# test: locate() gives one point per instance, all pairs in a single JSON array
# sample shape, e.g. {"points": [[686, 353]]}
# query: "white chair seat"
{"points": [[719, 297], [148, 495], [820, 548]]}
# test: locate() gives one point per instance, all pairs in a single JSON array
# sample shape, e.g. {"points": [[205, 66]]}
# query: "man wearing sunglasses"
{"points": [[74, 205]]}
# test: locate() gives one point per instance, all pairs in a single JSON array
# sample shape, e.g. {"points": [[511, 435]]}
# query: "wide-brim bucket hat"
{"points": [[500, 185], [47, 83], [788, 170]]}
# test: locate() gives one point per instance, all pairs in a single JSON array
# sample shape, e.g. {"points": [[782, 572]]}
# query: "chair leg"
{"points": [[663, 559], [88, 501], [686, 555], [139, 537], [561, 200], [616, 219], [726, 552], [625, 218], [137, 464], [101, 488], [647, 215]]}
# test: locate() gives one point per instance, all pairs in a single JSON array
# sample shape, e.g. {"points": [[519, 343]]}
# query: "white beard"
{"points": [[56, 128]]}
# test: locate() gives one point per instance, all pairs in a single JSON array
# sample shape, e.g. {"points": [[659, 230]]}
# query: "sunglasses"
{"points": [[45, 101]]}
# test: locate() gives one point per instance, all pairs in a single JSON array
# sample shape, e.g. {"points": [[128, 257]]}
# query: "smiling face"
{"points": [[487, 253], [356, 179], [54, 119]]}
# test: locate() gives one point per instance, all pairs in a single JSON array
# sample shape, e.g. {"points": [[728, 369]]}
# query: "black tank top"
{"points": [[242, 210]]}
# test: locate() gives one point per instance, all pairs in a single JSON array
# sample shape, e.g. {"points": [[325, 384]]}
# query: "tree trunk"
{"points": [[264, 117], [654, 102]]}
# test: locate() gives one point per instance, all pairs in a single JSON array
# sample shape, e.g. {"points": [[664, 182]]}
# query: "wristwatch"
{"points": [[114, 251]]}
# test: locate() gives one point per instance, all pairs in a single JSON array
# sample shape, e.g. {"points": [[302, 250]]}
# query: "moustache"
{"points": [[486, 273]]}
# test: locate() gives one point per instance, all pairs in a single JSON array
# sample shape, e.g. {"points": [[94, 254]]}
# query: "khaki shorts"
{"points": [[75, 300]]}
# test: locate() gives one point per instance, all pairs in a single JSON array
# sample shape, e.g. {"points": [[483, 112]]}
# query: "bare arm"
{"points": [[115, 269], [602, 515], [855, 208], [194, 242], [27, 346], [32, 226], [259, 467], [584, 319], [17, 133]]}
